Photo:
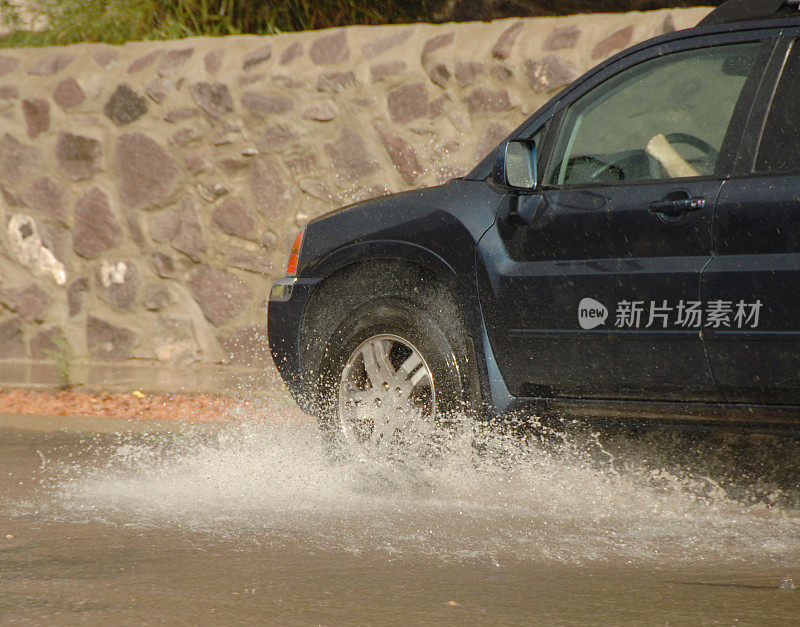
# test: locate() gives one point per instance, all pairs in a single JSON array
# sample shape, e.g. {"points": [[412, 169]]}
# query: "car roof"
{"points": [[732, 16], [746, 10]]}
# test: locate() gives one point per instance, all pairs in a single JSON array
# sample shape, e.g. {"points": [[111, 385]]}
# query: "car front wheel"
{"points": [[393, 378]]}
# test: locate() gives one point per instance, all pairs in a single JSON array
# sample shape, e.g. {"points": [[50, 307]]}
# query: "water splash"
{"points": [[567, 497]]}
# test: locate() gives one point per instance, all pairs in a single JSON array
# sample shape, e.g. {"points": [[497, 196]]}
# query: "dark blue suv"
{"points": [[632, 251]]}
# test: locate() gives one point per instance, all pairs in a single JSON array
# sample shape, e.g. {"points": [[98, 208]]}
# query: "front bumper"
{"points": [[288, 299]]}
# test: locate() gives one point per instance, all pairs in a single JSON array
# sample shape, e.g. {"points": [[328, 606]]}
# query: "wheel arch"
{"points": [[406, 265], [381, 251]]}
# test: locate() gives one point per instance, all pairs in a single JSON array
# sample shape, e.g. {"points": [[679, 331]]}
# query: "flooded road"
{"points": [[255, 522]]}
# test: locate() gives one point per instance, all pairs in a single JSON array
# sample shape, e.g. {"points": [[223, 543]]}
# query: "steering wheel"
{"points": [[598, 171], [710, 154]]}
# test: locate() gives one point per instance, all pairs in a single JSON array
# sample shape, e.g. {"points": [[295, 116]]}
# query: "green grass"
{"points": [[118, 21]]}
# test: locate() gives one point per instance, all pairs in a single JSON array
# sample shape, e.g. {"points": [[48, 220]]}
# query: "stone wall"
{"points": [[150, 192]]}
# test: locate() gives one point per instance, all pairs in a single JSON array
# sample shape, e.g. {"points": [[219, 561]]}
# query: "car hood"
{"points": [[432, 218]]}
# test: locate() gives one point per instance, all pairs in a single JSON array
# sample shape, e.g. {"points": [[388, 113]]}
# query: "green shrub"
{"points": [[117, 21]]}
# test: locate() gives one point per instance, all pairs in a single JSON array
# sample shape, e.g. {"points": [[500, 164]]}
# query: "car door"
{"points": [[593, 282], [754, 278]]}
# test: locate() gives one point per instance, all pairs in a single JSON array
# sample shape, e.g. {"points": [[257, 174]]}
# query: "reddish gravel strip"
{"points": [[161, 407]]}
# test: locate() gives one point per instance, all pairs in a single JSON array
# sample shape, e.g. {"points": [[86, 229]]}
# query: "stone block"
{"points": [[46, 197], [321, 111], [185, 136], [117, 283], [156, 297], [144, 61], [292, 52], [198, 160], [407, 102], [25, 242], [220, 294], [50, 64], [78, 156], [213, 61], [262, 105], [505, 43], [466, 71], [549, 74], [162, 263], [485, 100], [335, 82], [37, 116], [125, 105], [232, 167], [158, 88], [330, 49], [233, 218], [105, 57], [270, 195], [147, 174], [381, 71], [174, 60], [12, 342], [440, 74], [68, 94], [350, 156], [96, 229], [18, 161], [613, 43], [174, 116], [562, 38], [108, 342], [403, 156], [180, 228], [434, 43], [76, 292], [29, 303], [373, 48], [47, 343], [213, 98], [257, 57]]}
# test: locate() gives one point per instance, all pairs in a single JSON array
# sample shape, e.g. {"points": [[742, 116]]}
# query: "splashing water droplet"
{"points": [[485, 495]]}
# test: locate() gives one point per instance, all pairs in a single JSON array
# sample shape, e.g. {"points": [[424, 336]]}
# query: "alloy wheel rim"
{"points": [[387, 395]]}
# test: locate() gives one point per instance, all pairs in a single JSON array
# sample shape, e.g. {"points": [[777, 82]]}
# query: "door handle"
{"points": [[676, 204]]}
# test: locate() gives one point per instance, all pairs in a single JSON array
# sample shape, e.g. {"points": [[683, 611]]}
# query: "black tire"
{"points": [[422, 317]]}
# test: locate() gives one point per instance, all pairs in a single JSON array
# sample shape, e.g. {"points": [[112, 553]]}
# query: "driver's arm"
{"points": [[675, 165]]}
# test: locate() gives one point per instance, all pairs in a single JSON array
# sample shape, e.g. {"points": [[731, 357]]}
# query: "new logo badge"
{"points": [[591, 314]]}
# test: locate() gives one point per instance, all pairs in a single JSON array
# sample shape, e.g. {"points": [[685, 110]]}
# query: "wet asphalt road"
{"points": [[254, 524]]}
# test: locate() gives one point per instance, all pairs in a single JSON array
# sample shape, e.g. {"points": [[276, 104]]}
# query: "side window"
{"points": [[664, 118], [779, 152]]}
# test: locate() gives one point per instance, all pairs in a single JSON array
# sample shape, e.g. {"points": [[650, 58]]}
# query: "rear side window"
{"points": [[779, 152]]}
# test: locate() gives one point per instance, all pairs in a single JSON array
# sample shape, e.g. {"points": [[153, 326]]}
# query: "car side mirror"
{"points": [[515, 166]]}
